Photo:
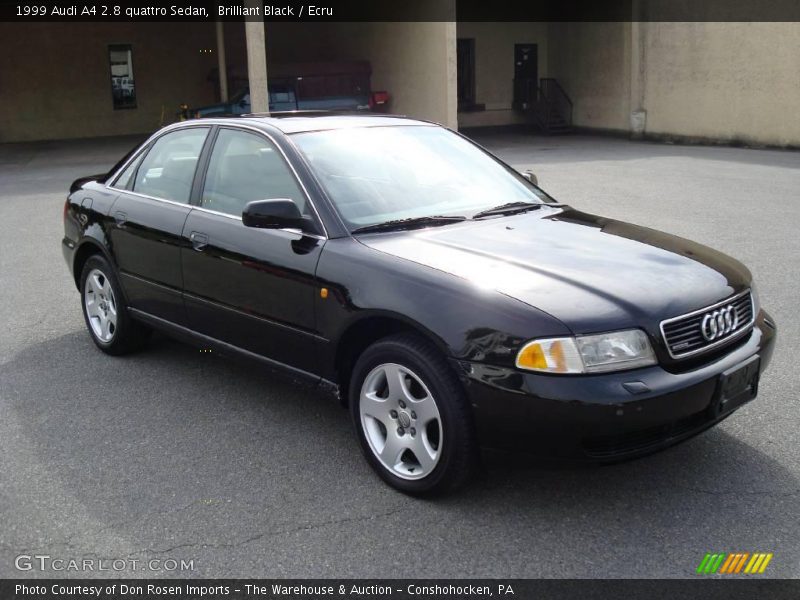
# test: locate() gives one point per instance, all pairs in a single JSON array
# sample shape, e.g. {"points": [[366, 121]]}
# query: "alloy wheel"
{"points": [[401, 421], [101, 305]]}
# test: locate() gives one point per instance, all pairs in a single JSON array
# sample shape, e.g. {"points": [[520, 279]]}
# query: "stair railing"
{"points": [[555, 97]]}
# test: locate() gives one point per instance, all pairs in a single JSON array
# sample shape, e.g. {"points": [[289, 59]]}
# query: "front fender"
{"points": [[466, 322]]}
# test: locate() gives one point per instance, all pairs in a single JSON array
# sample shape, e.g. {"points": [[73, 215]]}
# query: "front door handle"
{"points": [[199, 240]]}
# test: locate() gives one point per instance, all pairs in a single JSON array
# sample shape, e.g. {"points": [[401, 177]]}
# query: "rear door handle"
{"points": [[199, 240], [120, 218]]}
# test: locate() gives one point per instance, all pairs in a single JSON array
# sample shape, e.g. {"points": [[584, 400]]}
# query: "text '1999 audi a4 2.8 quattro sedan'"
{"points": [[448, 299]]}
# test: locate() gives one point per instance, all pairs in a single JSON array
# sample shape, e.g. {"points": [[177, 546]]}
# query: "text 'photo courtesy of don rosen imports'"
{"points": [[420, 299]]}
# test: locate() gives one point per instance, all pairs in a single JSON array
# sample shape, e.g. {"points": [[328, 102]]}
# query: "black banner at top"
{"points": [[401, 10]]}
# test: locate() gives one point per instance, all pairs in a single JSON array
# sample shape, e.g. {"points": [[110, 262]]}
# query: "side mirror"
{"points": [[531, 176], [277, 213]]}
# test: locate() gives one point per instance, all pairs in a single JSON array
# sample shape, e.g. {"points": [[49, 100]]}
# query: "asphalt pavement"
{"points": [[172, 454]]}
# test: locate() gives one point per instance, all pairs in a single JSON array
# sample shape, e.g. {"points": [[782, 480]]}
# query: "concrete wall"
{"points": [[414, 62], [494, 68], [719, 81], [727, 81], [55, 78], [591, 61]]}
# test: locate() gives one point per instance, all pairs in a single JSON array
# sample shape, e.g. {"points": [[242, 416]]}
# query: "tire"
{"points": [[417, 435], [107, 318]]}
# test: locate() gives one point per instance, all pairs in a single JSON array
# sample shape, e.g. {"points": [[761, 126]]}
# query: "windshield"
{"points": [[379, 174], [239, 96]]}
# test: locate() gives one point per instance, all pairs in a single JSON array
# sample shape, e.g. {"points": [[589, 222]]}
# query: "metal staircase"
{"points": [[547, 101]]}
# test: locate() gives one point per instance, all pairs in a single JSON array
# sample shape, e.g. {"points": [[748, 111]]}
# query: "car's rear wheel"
{"points": [[411, 416], [107, 318]]}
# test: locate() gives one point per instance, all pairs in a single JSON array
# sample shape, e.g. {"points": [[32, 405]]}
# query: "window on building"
{"points": [[465, 60], [123, 90]]}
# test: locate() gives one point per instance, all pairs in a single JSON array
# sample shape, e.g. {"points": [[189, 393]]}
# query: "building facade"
{"points": [[720, 82]]}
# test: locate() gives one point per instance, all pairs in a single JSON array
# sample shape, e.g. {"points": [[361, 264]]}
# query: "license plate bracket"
{"points": [[737, 386]]}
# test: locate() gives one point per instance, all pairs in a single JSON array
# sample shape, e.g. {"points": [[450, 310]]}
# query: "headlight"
{"points": [[615, 351]]}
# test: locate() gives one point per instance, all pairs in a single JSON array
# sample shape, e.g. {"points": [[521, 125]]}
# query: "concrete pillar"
{"points": [[638, 72], [256, 61], [451, 63], [223, 69]]}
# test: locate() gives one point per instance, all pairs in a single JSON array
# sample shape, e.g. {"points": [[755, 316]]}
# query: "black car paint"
{"points": [[476, 289], [594, 274]]}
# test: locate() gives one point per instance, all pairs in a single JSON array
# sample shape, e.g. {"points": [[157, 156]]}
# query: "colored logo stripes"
{"points": [[734, 563]]}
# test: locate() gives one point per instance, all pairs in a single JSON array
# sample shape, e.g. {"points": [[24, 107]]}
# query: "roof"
{"points": [[299, 124]]}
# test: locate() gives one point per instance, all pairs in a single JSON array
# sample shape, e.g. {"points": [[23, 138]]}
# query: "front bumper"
{"points": [[605, 417]]}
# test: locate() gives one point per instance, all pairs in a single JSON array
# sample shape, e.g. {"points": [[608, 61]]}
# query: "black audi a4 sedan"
{"points": [[449, 301]]}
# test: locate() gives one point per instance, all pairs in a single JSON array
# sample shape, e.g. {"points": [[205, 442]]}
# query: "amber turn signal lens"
{"points": [[532, 357], [554, 355]]}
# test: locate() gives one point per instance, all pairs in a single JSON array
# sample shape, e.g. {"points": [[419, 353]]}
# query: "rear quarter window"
{"points": [[167, 171]]}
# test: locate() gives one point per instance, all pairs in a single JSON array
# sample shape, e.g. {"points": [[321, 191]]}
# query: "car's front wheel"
{"points": [[107, 318], [411, 416]]}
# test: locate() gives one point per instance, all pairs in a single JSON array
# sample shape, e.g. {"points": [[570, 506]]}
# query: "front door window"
{"points": [[244, 167]]}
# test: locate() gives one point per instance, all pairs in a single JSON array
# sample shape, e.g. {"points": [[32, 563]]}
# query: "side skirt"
{"points": [[195, 338]]}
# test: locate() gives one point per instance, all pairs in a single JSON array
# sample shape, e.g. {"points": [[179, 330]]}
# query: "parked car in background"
{"points": [[450, 301], [330, 86]]}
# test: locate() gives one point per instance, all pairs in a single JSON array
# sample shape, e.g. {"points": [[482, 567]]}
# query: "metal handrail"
{"points": [[555, 96]]}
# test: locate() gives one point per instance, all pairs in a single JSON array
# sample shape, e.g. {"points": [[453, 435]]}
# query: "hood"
{"points": [[592, 273]]}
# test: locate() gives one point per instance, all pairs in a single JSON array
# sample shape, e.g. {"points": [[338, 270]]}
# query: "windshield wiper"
{"points": [[411, 223], [508, 209]]}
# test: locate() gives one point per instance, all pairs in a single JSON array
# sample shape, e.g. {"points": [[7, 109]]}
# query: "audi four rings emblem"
{"points": [[719, 322]]}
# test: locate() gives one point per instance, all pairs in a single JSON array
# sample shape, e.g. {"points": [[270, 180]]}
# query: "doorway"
{"points": [[526, 75], [465, 57]]}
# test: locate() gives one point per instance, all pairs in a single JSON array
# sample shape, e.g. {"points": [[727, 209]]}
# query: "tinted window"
{"points": [[327, 86], [280, 93], [244, 167], [168, 169], [124, 180]]}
